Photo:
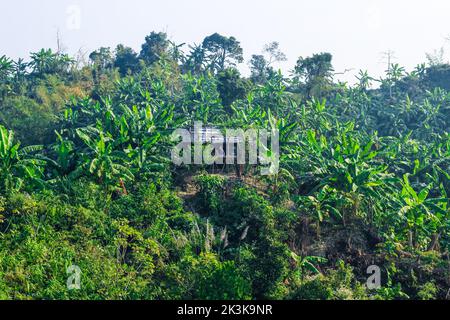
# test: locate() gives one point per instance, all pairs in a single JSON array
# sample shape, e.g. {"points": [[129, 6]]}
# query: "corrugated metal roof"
{"points": [[214, 135]]}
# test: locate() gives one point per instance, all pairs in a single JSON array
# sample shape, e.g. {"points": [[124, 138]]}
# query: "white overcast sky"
{"points": [[356, 32]]}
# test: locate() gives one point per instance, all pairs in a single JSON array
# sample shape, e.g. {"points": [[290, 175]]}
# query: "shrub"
{"points": [[211, 193]]}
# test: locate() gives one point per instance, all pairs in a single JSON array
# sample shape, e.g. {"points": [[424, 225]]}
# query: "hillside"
{"points": [[93, 207]]}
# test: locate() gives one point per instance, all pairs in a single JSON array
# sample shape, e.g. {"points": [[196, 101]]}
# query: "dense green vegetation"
{"points": [[86, 178]]}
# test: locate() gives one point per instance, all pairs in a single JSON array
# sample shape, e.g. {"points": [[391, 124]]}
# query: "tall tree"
{"points": [[315, 73], [222, 52], [261, 64], [259, 68], [272, 49], [231, 86], [155, 47], [126, 59], [102, 58]]}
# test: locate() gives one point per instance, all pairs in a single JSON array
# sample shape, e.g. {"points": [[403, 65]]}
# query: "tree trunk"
{"points": [[434, 242]]}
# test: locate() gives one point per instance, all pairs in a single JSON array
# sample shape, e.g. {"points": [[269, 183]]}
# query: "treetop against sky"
{"points": [[357, 33]]}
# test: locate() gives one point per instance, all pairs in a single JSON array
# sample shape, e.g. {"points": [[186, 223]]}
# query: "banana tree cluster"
{"points": [[19, 167]]}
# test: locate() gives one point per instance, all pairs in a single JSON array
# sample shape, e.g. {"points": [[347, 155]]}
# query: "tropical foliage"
{"points": [[86, 178]]}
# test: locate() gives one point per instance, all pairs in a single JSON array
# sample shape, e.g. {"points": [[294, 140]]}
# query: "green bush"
{"points": [[211, 193]]}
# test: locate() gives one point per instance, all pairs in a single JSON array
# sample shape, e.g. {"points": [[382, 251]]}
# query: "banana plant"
{"points": [[307, 264], [322, 205], [65, 152], [6, 67], [46, 61], [364, 80], [101, 159], [79, 113], [345, 164], [18, 165], [201, 100], [422, 213]]}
